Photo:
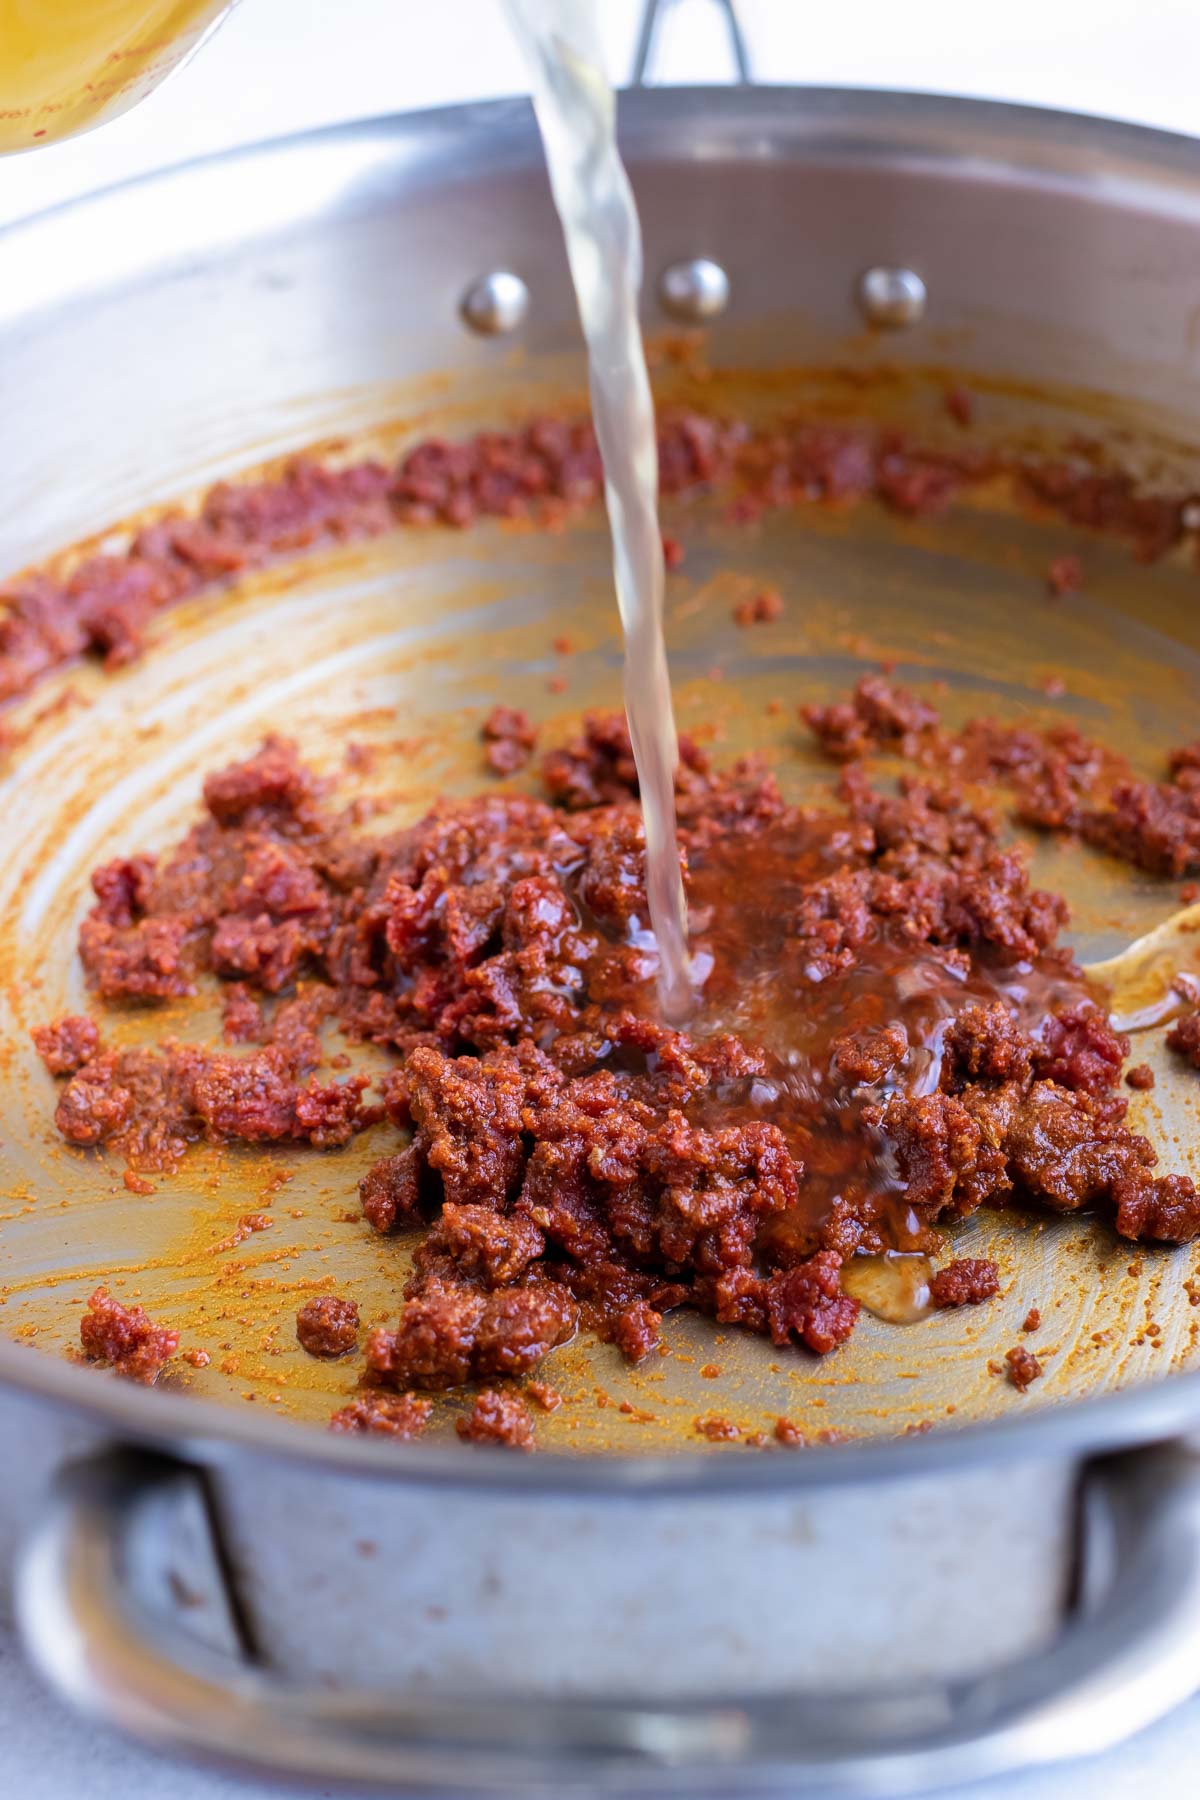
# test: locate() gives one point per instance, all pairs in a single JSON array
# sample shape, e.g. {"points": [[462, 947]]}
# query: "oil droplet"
{"points": [[894, 1286]]}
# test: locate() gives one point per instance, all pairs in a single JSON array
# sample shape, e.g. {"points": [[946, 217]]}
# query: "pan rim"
{"points": [[1092, 153]]}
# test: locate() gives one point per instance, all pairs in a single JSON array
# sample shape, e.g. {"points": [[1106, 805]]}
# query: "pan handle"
{"points": [[648, 36], [1130, 1653]]}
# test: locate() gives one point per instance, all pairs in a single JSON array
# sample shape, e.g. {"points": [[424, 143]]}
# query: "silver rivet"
{"points": [[892, 297], [694, 290], [496, 303]]}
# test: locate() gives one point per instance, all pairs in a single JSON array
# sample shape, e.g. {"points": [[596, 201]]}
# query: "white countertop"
{"points": [[278, 66]]}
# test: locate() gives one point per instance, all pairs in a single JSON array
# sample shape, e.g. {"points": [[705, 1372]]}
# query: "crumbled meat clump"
{"points": [[125, 1337], [328, 1325], [636, 1330], [891, 1034], [499, 1419], [67, 1044], [510, 739], [1060, 781], [399, 1416], [545, 469], [1184, 1038], [964, 1282], [1064, 576], [1023, 1367], [759, 609]]}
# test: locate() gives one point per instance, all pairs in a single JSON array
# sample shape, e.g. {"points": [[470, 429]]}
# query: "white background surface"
{"points": [[284, 65]]}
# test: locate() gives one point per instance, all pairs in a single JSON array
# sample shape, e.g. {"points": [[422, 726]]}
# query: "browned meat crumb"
{"points": [[1141, 1077], [960, 404], [66, 1044], [876, 715], [125, 1337], [561, 1154], [1162, 1209], [242, 1018], [807, 1302], [1060, 780], [964, 1282], [199, 1359], [1153, 825], [1023, 1367], [510, 739], [271, 782], [151, 1103], [1184, 1038], [401, 1416], [636, 1330], [789, 1434], [327, 1325], [1064, 576], [1032, 1320], [390, 1190], [498, 1418], [480, 1245], [717, 1430], [102, 605], [449, 1333], [869, 1054], [759, 609], [544, 1396]]}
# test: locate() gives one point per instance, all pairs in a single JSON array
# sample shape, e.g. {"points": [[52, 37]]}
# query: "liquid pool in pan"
{"points": [[886, 1005]]}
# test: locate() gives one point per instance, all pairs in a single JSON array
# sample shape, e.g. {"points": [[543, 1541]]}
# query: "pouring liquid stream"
{"points": [[576, 113]]}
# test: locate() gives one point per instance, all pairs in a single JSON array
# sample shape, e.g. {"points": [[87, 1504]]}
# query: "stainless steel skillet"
{"points": [[860, 1618]]}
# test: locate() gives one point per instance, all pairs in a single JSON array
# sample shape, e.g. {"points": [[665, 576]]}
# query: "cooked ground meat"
{"points": [[1064, 576], [150, 1104], [449, 1333], [759, 609], [67, 1043], [1032, 1320], [402, 1416], [510, 739], [1141, 1077], [875, 716], [1060, 780], [1023, 1367], [125, 1337], [543, 1395], [104, 604], [964, 1282], [498, 1418], [1154, 825], [891, 1035], [328, 1325], [716, 1429], [635, 1330], [1184, 1038], [960, 404]]}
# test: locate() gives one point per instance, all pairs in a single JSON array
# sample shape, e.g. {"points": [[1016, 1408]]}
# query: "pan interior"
{"points": [[402, 645]]}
